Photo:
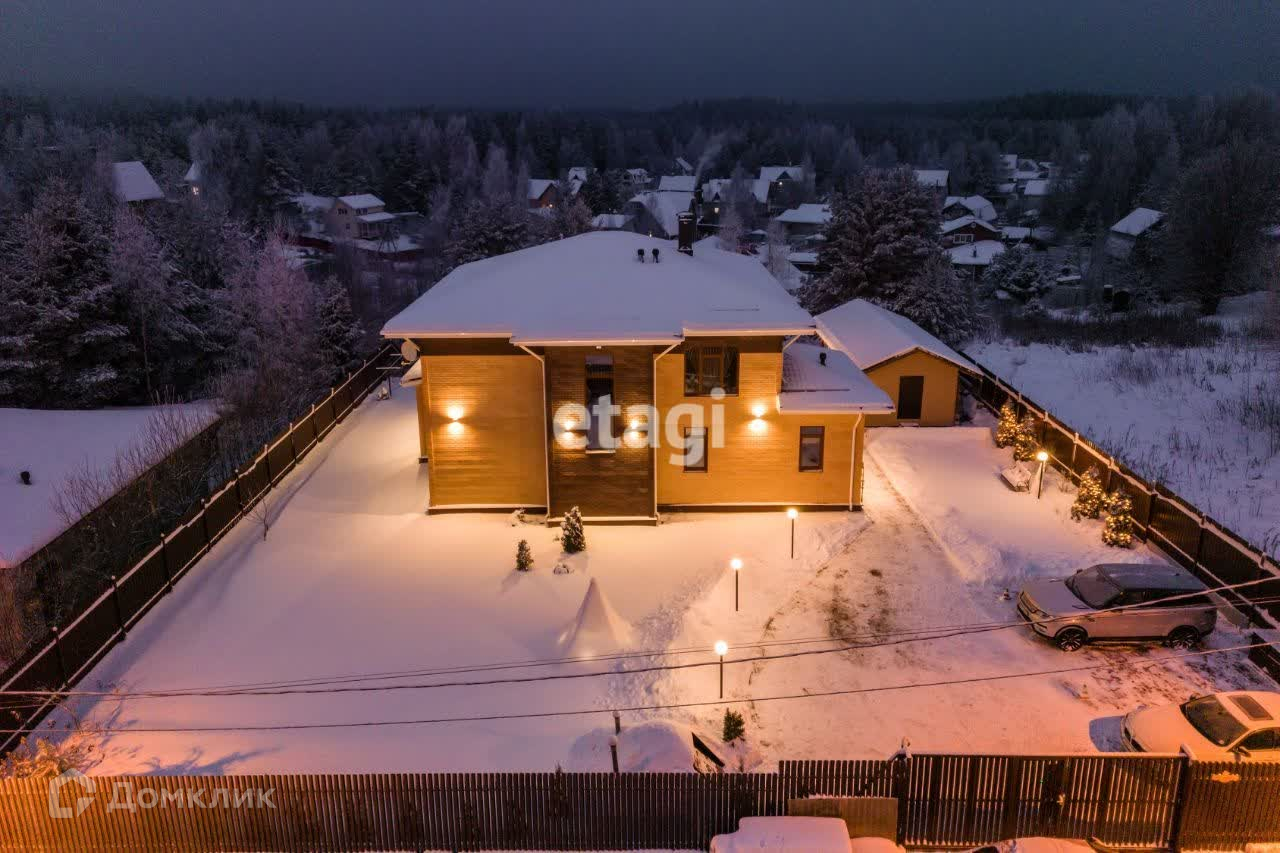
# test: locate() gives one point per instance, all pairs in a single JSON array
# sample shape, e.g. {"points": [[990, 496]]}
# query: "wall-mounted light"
{"points": [[454, 412], [758, 410], [455, 428]]}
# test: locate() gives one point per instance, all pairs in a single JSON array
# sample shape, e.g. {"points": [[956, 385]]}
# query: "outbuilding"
{"points": [[920, 373]]}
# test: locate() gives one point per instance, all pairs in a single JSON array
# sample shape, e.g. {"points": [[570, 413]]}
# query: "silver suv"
{"points": [[1120, 601]]}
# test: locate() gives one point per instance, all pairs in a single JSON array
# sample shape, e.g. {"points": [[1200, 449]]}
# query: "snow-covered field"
{"points": [[355, 586], [53, 444], [1203, 421]]}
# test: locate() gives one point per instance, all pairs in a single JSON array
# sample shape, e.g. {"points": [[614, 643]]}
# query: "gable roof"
{"points": [[936, 178], [1035, 188], [872, 335], [684, 165], [806, 214], [716, 188], [134, 183], [811, 387], [361, 200], [963, 221], [1138, 221], [975, 204], [591, 289], [579, 173], [194, 174], [774, 173], [665, 207], [610, 221], [538, 186], [677, 183]]}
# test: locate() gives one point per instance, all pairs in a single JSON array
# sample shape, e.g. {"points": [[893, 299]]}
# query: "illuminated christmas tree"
{"points": [[1007, 428], [1025, 442], [1090, 497], [1117, 530]]}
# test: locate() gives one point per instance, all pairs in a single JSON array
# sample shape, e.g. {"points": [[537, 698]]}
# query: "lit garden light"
{"points": [[791, 514], [736, 565], [1043, 458], [721, 649]]}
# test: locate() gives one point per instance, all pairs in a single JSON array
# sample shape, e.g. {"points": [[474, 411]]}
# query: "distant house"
{"points": [[967, 229], [782, 185], [543, 192], [1125, 234], [805, 219], [972, 259], [656, 213], [636, 178], [920, 373], [956, 206], [133, 184], [580, 173], [938, 180], [1037, 188], [359, 217], [360, 221], [193, 180], [717, 192], [677, 183]]}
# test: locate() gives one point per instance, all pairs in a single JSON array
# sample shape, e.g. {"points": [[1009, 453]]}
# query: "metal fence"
{"points": [[69, 652], [1204, 546], [944, 801]]}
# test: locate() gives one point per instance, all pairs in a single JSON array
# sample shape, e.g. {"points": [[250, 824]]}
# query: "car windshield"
{"points": [[1213, 720], [1091, 587]]}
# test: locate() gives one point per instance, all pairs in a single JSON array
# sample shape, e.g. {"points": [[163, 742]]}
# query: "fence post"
{"points": [[1012, 778], [901, 791], [1179, 799], [115, 599]]}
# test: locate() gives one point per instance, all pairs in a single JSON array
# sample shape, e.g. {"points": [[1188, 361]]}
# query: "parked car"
{"points": [[797, 835], [1121, 601], [1244, 723]]}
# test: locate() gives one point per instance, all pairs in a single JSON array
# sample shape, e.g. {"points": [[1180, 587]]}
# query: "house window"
{"points": [[695, 449], [962, 238], [812, 441], [709, 367], [600, 402]]}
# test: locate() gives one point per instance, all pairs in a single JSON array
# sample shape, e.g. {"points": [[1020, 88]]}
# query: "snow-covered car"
{"points": [[1244, 723], [797, 835], [1122, 601]]}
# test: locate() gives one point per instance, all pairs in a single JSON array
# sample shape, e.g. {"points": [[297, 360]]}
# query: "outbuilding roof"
{"points": [[665, 207], [966, 220], [807, 214], [361, 200], [936, 178], [592, 289], [872, 335], [977, 254], [677, 183], [134, 183], [1138, 221], [538, 186], [975, 204], [810, 386]]}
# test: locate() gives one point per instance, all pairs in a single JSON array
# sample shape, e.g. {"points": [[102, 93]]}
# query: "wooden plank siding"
{"points": [[760, 460], [617, 484], [941, 384]]}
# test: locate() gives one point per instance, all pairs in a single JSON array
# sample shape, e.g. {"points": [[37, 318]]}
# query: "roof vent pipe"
{"points": [[655, 254], [640, 255]]}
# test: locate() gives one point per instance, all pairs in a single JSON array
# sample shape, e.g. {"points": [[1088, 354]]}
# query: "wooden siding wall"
{"points": [[494, 454], [759, 463], [941, 384], [618, 484]]}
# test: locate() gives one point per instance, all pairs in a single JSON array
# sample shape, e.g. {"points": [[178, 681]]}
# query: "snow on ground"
{"points": [[1173, 415], [353, 578], [53, 444]]}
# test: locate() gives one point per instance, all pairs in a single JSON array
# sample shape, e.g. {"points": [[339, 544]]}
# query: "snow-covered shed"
{"points": [[690, 342], [1124, 235], [133, 183], [938, 180], [805, 219], [972, 259], [917, 371]]}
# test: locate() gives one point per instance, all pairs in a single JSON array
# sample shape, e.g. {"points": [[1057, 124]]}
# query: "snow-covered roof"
{"points": [[975, 204], [811, 387], [1138, 221], [665, 207], [579, 173], [977, 254], [361, 200], [872, 335], [313, 203], [773, 173], [1009, 162], [1038, 187], [933, 177], [1026, 174], [716, 188], [592, 289], [807, 214], [1007, 188], [1015, 232], [538, 186], [134, 183], [964, 221], [380, 216], [639, 174], [613, 221], [809, 258], [194, 174], [677, 183], [684, 165], [784, 833]]}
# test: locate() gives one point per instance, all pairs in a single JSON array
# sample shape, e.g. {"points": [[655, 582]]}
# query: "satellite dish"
{"points": [[409, 351]]}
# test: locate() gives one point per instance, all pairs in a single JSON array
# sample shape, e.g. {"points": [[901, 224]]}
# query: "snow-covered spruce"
{"points": [[572, 537]]}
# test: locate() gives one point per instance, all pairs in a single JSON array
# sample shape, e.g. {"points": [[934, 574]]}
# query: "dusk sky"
{"points": [[635, 53]]}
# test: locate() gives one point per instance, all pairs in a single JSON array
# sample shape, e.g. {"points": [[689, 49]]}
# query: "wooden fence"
{"points": [[69, 652], [944, 801], [1204, 546]]}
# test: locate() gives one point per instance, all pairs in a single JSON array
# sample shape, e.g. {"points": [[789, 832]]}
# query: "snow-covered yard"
{"points": [[52, 445], [1205, 421], [356, 587]]}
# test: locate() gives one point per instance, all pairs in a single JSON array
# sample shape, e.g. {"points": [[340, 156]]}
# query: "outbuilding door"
{"points": [[910, 397]]}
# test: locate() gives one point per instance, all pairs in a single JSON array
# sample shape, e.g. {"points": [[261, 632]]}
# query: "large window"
{"points": [[707, 368], [812, 440], [695, 449], [599, 401]]}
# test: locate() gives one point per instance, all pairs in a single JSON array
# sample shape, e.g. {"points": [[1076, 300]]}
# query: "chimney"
{"points": [[687, 230], [822, 358]]}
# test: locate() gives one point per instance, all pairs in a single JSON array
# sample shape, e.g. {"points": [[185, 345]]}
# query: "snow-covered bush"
{"points": [[572, 537], [1022, 273], [524, 556], [734, 727]]}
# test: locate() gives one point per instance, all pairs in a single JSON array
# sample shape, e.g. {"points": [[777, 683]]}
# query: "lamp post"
{"points": [[736, 565], [721, 648], [791, 514], [1043, 458]]}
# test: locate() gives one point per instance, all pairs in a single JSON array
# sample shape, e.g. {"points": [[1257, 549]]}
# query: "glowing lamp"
{"points": [[1042, 456], [758, 410], [454, 412], [735, 564], [792, 513], [721, 648]]}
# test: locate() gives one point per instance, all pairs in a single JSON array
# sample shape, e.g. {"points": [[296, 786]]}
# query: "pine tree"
{"points": [[524, 556], [1025, 442], [1090, 496], [938, 301], [734, 727], [484, 229], [1117, 530], [1007, 427], [337, 332], [1020, 272], [572, 537]]}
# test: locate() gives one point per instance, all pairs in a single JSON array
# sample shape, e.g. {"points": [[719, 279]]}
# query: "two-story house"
{"points": [[358, 217], [628, 375]]}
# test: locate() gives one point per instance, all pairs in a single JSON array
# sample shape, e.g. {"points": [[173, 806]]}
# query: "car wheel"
{"points": [[1183, 638], [1071, 639]]}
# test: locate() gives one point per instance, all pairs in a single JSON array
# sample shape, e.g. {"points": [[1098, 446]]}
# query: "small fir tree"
{"points": [[1089, 498], [572, 537], [734, 727], [524, 557], [1007, 428], [1025, 441], [1117, 530]]}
